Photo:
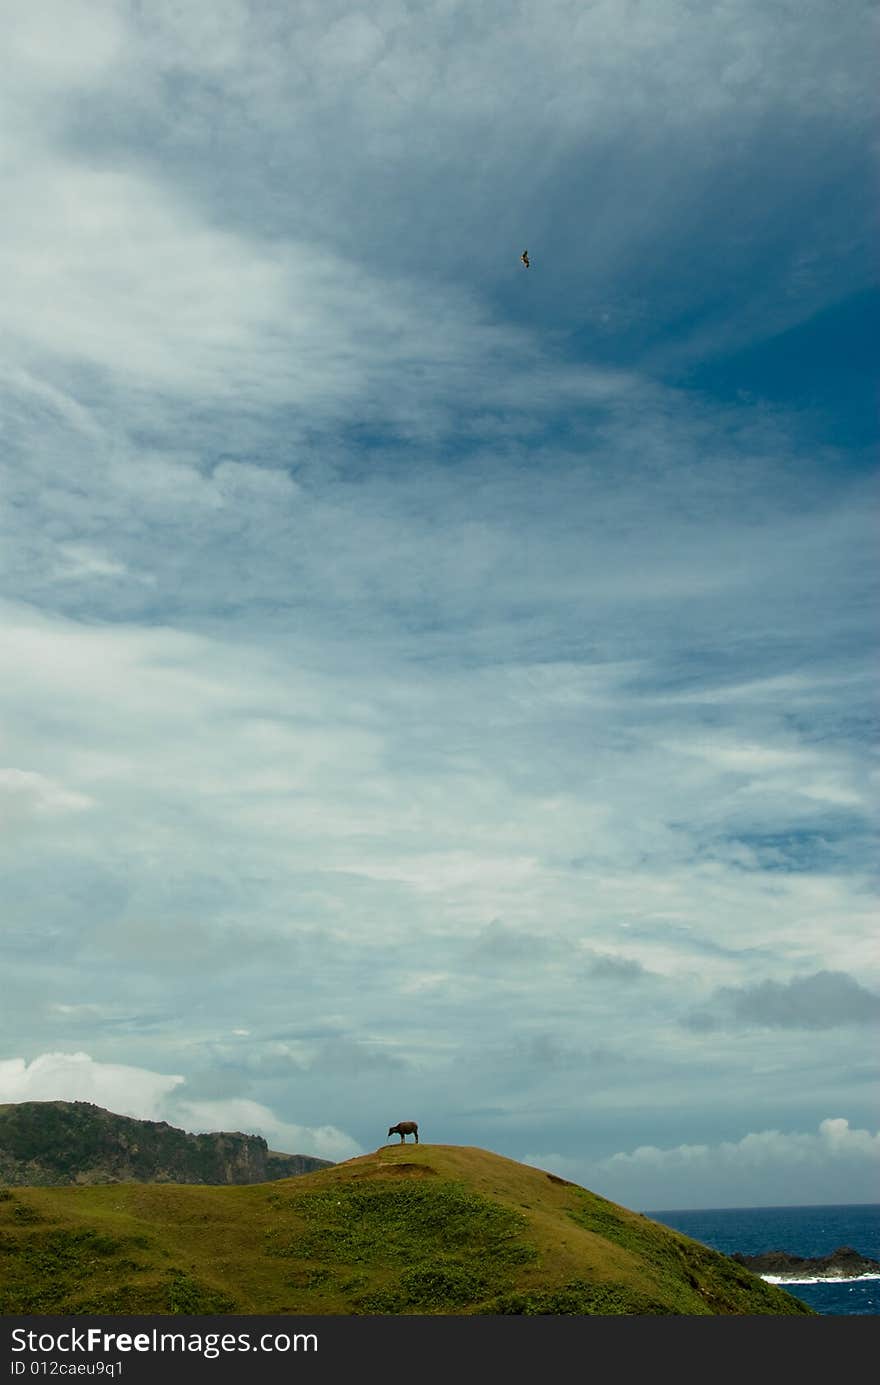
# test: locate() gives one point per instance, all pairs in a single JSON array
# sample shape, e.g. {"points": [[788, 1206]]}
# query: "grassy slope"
{"points": [[408, 1229]]}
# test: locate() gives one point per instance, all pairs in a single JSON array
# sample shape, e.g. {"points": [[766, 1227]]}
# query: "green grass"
{"points": [[407, 1230], [680, 1267]]}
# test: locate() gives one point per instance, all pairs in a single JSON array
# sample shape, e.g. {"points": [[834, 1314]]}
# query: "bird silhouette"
{"points": [[525, 258]]}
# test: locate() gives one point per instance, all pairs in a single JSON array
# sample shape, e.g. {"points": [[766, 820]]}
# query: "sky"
{"points": [[432, 688]]}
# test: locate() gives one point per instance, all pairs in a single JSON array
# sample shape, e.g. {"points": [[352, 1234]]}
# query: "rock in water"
{"points": [[843, 1263]]}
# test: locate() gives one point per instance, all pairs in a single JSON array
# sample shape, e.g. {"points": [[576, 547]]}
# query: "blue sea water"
{"points": [[808, 1231]]}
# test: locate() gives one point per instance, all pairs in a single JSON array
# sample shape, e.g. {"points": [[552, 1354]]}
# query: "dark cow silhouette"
{"points": [[404, 1128]]}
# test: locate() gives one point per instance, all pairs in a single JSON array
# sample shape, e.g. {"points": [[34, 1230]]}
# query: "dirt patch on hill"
{"points": [[399, 1171]]}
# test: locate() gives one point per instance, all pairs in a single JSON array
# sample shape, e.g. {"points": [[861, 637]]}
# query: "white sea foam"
{"points": [[817, 1278]]}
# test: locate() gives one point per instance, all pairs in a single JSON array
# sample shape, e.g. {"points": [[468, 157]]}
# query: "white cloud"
{"points": [[835, 1140], [132, 282], [130, 1091], [766, 1167], [324, 1142]]}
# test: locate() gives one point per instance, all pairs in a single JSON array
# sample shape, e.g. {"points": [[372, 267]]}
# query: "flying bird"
{"points": [[525, 258]]}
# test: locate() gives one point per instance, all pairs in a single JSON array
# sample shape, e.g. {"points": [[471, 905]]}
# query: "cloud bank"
{"points": [[758, 1170]]}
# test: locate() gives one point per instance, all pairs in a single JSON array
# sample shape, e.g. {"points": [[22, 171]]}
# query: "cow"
{"points": [[404, 1128]]}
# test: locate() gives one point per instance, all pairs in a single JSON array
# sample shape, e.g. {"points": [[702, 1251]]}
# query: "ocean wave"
{"points": [[817, 1278]]}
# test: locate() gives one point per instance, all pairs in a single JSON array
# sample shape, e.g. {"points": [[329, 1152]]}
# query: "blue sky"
{"points": [[430, 688]]}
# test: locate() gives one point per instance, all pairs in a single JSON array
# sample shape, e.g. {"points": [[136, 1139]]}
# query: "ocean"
{"points": [[801, 1231]]}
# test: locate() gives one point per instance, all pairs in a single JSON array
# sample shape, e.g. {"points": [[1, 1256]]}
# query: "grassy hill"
{"points": [[58, 1142], [407, 1230]]}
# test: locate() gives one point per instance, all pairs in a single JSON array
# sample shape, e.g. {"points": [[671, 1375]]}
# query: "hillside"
{"points": [[56, 1142], [405, 1230]]}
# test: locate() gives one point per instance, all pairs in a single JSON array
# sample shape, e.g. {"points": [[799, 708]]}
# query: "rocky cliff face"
{"points": [[58, 1142]]}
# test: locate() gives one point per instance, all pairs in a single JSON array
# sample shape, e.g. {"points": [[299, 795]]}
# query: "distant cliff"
{"points": [[57, 1142]]}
